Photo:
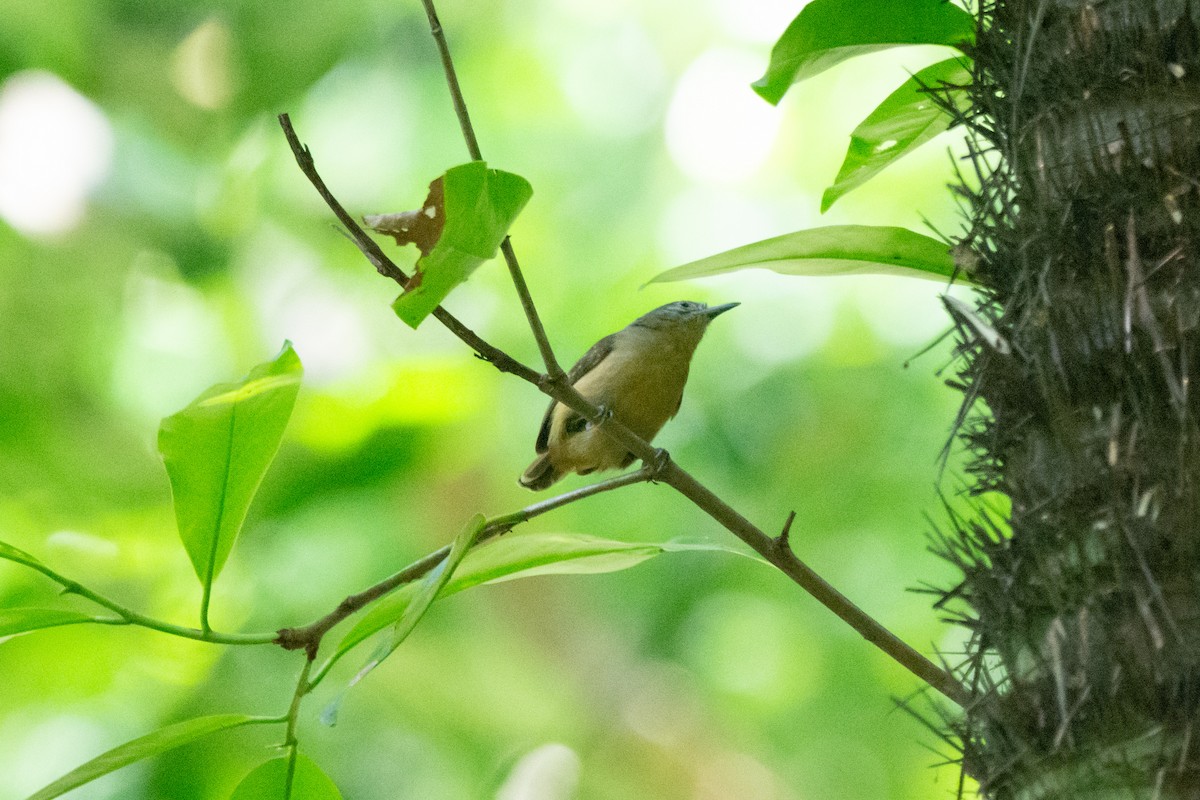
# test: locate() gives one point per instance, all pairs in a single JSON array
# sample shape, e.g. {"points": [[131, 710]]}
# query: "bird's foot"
{"points": [[658, 463], [604, 414]]}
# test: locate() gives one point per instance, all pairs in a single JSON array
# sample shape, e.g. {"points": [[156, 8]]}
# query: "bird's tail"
{"points": [[540, 474]]}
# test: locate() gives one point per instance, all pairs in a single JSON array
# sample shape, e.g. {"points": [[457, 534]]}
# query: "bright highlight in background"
{"points": [[200, 68], [55, 147], [549, 772], [717, 128], [763, 25]]}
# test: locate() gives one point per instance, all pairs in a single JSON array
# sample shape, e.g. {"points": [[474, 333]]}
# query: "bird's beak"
{"points": [[716, 311]]}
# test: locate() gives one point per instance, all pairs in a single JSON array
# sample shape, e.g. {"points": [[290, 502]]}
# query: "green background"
{"points": [[200, 248]]}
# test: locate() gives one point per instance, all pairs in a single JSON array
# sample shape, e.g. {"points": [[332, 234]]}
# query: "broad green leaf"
{"points": [[522, 556], [217, 450], [827, 32], [832, 250], [907, 119], [23, 620], [268, 781], [480, 205], [152, 744]]}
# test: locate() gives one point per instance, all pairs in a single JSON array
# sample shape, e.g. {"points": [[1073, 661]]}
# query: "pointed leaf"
{"points": [[23, 620], [268, 781], [425, 591], [10, 553], [217, 450], [907, 119], [832, 250], [478, 205], [521, 556], [160, 741], [827, 32]]}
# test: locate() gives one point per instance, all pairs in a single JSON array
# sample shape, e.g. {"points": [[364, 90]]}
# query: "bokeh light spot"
{"points": [[549, 772], [717, 128], [751, 646], [55, 147], [200, 66], [761, 22], [615, 83]]}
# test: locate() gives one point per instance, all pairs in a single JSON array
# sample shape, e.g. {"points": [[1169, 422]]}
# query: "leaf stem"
{"points": [[130, 617], [290, 741]]}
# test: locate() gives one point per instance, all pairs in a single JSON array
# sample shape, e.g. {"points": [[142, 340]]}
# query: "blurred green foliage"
{"points": [[202, 247]]}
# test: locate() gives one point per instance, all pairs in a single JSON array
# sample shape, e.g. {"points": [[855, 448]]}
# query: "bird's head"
{"points": [[682, 314]]}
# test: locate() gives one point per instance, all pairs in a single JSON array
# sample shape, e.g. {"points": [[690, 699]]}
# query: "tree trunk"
{"points": [[1085, 606]]}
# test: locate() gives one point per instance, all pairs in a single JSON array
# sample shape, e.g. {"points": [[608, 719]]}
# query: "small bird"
{"points": [[637, 374]]}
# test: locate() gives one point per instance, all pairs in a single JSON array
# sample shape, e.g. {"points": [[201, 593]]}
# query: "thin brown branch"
{"points": [[386, 267], [783, 540], [787, 562], [456, 95], [553, 369], [369, 247], [309, 636]]}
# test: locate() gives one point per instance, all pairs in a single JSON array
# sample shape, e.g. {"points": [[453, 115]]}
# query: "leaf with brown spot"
{"points": [[465, 218], [422, 227]]}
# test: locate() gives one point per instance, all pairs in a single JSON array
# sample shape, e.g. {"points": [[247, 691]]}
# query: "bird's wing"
{"points": [[679, 405], [583, 366]]}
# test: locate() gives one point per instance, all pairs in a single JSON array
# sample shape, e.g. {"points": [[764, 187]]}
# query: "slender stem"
{"points": [[290, 741], [130, 617], [493, 355], [309, 636], [141, 620], [369, 247], [205, 598], [510, 257], [460, 105], [566, 498]]}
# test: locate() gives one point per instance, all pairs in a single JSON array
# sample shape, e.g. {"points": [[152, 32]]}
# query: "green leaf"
{"points": [[268, 781], [424, 593], [481, 204], [10, 553], [23, 620], [152, 744], [827, 32], [832, 250], [900, 124], [217, 450], [521, 556]]}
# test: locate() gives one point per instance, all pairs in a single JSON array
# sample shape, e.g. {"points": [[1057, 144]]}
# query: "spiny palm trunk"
{"points": [[1086, 620]]}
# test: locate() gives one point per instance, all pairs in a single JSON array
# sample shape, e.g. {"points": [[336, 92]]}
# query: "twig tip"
{"points": [[783, 540]]}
